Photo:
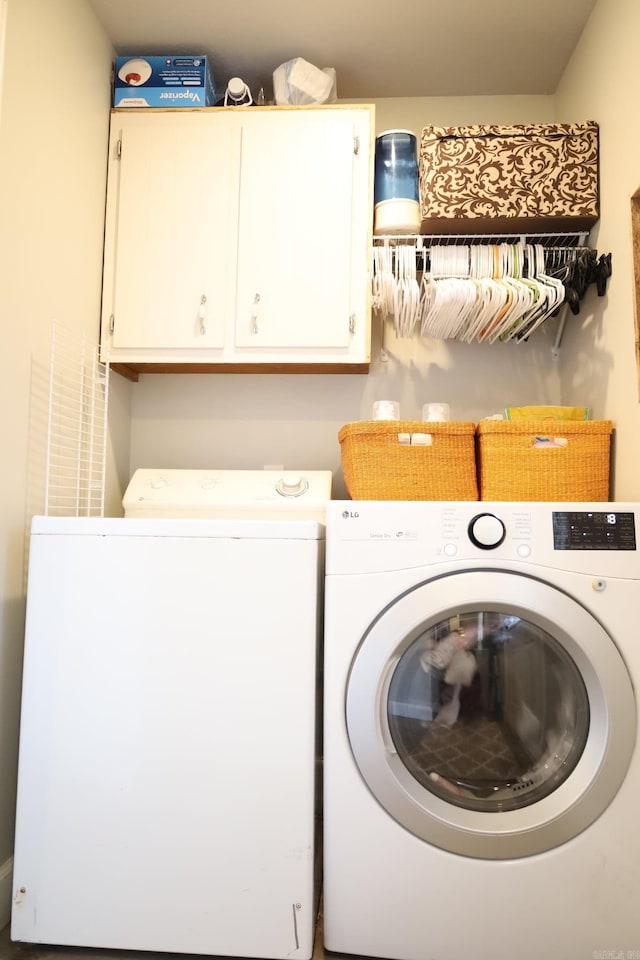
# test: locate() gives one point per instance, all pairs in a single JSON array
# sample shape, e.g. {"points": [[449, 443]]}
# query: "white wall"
{"points": [[3, 26], [53, 145], [247, 421], [598, 366]]}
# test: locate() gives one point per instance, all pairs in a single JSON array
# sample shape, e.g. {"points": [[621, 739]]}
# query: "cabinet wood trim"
{"points": [[132, 371]]}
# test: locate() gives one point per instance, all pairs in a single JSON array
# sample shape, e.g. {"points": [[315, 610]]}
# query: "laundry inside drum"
{"points": [[488, 711]]}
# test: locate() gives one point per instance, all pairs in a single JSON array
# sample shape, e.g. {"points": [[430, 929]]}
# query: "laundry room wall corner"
{"points": [[118, 465], [52, 186], [597, 359]]}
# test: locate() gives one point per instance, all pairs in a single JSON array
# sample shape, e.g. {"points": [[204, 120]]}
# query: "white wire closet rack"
{"points": [[550, 239], [76, 443], [473, 287]]}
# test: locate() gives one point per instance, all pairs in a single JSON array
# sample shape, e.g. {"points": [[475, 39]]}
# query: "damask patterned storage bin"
{"points": [[525, 177]]}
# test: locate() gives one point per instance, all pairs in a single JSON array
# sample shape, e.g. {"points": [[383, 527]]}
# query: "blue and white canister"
{"points": [[395, 183]]}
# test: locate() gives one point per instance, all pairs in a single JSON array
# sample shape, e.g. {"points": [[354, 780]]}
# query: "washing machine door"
{"points": [[495, 727]]}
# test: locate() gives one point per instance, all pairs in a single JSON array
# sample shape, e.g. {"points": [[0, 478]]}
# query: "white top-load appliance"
{"points": [[166, 792], [239, 494]]}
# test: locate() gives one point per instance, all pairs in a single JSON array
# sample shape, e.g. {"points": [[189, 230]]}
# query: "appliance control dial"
{"points": [[292, 485], [486, 531]]}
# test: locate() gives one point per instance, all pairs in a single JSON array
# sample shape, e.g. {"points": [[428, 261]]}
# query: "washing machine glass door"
{"points": [[488, 726], [506, 711]]}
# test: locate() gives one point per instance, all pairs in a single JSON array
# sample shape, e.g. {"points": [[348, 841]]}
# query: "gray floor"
{"points": [[30, 951]]}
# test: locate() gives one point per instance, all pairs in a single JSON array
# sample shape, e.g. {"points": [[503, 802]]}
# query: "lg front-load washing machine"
{"points": [[481, 764]]}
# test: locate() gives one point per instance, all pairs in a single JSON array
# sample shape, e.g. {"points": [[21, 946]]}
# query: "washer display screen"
{"points": [[591, 530]]}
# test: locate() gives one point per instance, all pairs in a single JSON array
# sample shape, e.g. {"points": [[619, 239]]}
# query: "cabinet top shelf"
{"points": [[267, 108]]}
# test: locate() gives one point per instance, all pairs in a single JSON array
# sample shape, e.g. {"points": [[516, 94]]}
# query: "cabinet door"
{"points": [[172, 277], [299, 237]]}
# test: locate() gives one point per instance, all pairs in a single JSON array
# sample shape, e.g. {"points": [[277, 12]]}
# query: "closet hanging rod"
{"points": [[558, 240]]}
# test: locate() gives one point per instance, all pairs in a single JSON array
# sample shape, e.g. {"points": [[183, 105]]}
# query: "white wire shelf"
{"points": [[76, 427]]}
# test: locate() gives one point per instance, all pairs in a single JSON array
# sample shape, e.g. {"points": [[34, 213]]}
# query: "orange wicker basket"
{"points": [[543, 460], [379, 461]]}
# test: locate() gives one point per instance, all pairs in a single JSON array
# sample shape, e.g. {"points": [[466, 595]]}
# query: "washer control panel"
{"points": [[594, 538], [594, 530], [229, 494]]}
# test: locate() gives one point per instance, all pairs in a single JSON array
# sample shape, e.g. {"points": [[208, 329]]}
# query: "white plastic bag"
{"points": [[298, 82]]}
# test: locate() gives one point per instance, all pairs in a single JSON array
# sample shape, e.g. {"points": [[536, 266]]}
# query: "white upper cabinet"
{"points": [[239, 237], [295, 226], [170, 264]]}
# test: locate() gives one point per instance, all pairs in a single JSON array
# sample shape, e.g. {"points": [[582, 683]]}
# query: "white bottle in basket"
{"points": [[386, 410]]}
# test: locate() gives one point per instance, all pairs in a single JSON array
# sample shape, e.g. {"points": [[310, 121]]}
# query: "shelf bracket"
{"points": [[555, 349]]}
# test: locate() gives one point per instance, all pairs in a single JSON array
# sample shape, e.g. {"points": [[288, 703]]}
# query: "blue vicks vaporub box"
{"points": [[179, 81]]}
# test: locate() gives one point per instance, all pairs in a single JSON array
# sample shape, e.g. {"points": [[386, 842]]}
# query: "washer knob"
{"points": [[158, 483], [292, 485], [487, 531]]}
